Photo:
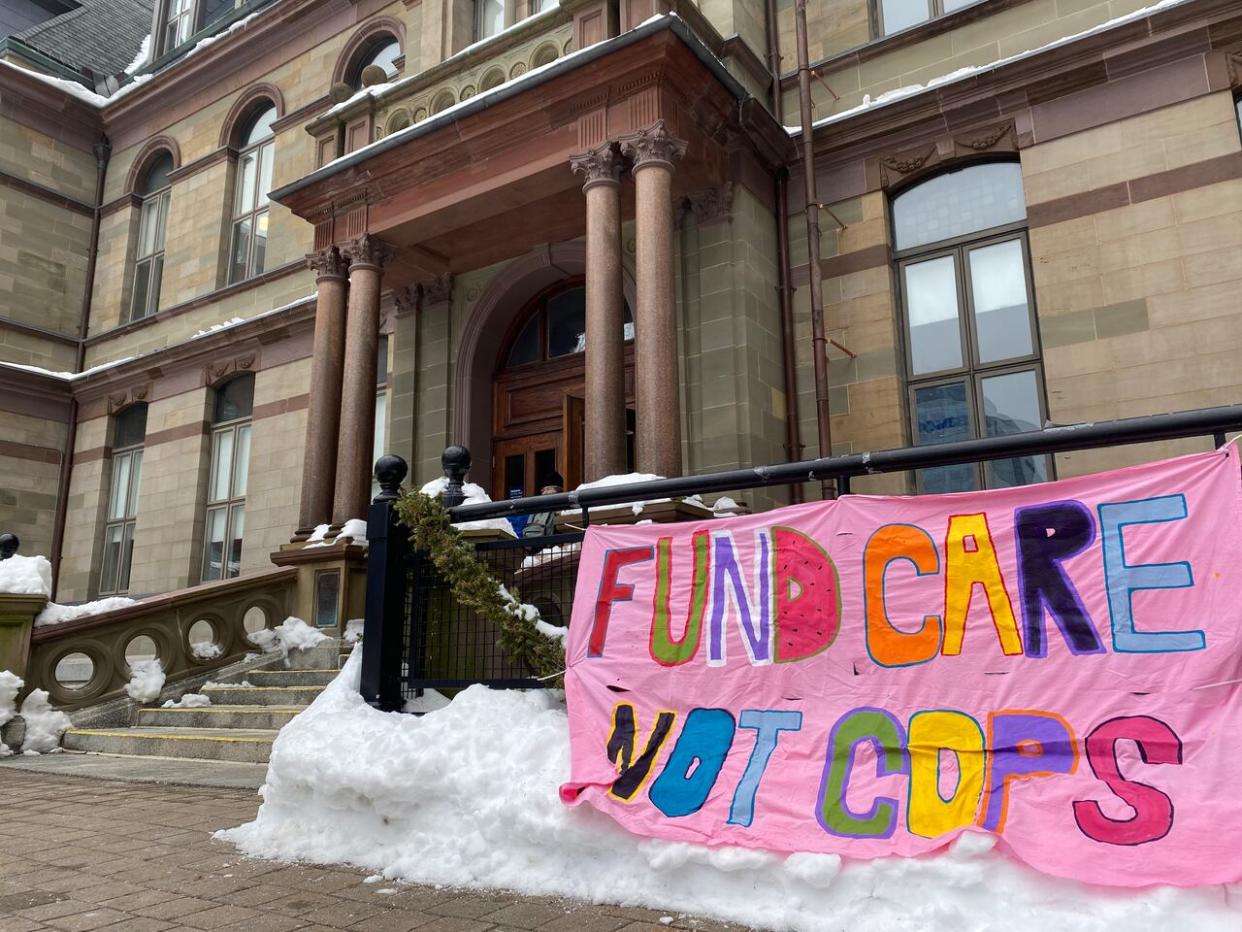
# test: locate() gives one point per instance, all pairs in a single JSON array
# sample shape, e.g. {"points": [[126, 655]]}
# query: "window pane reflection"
{"points": [[998, 289], [942, 415], [1011, 406], [931, 299], [976, 198], [902, 14]]}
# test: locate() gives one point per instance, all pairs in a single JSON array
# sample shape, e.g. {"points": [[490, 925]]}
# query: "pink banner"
{"points": [[1057, 664]]}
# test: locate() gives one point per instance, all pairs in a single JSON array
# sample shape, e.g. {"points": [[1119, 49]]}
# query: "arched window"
{"points": [[226, 484], [489, 18], [382, 52], [155, 190], [972, 345], [129, 430], [248, 249], [555, 327]]}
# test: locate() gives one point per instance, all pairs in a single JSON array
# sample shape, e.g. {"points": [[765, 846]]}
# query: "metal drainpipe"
{"points": [[103, 151], [793, 427], [819, 343]]}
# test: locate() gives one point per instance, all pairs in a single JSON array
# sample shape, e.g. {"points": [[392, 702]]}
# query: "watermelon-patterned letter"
{"points": [[808, 596]]}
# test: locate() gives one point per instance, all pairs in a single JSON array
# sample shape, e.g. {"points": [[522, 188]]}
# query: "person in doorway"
{"points": [[544, 523]]}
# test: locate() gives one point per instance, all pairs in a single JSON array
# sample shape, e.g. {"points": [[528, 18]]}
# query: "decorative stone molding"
{"points": [[118, 401], [149, 151], [934, 154], [437, 290], [367, 251], [215, 372], [654, 146], [601, 165], [327, 263], [245, 105], [1234, 62], [407, 299], [711, 205]]}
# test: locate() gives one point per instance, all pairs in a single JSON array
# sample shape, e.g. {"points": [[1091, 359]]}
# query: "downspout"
{"points": [[103, 151], [793, 427], [819, 343]]}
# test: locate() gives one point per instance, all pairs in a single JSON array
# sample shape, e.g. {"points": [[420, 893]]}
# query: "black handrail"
{"points": [[1144, 429]]}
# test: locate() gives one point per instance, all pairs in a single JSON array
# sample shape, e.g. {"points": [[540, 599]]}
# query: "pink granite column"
{"points": [[324, 407], [605, 318], [366, 256], [656, 372]]}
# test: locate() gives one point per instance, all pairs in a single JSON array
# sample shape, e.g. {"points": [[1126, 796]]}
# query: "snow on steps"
{"points": [[246, 712]]}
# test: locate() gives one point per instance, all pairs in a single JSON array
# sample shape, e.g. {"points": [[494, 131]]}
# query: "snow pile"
{"points": [[188, 701], [44, 725], [244, 684], [474, 496], [467, 796], [10, 683], [206, 650], [621, 479], [430, 701], [724, 503], [142, 57], [355, 528], [145, 681], [231, 322], [292, 634], [550, 554], [26, 575], [55, 614], [530, 613], [320, 532], [353, 630]]}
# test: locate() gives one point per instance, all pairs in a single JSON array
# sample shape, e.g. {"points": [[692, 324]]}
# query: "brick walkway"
{"points": [[78, 855]]}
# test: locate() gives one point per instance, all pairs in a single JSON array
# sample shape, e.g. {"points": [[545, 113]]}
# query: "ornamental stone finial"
{"points": [[601, 165], [327, 263], [368, 251], [653, 146]]}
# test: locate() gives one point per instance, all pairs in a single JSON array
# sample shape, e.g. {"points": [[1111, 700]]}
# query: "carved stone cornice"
{"points": [[654, 146], [437, 290], [406, 300], [214, 372], [601, 165], [328, 264], [367, 252], [944, 151], [712, 204], [127, 397]]}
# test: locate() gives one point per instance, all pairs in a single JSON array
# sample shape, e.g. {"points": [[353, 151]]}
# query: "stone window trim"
{"points": [[376, 31], [151, 150], [973, 370], [247, 104], [896, 170]]}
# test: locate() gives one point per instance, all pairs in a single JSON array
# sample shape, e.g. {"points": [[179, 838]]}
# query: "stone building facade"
{"points": [[292, 233]]}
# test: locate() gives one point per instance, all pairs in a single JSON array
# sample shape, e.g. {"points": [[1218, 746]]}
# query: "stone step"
{"points": [[286, 677], [261, 695], [224, 716], [240, 745]]}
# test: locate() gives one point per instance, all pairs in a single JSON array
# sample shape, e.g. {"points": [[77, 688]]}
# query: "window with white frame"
{"points": [[248, 242], [129, 432], [896, 15], [973, 361], [489, 18], [155, 192], [183, 18], [226, 483]]}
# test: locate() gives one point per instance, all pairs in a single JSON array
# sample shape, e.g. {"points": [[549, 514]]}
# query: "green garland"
{"points": [[473, 586]]}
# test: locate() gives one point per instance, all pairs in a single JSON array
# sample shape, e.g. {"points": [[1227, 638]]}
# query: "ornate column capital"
{"points": [[654, 146], [601, 165], [437, 290], [367, 251], [406, 299], [711, 204], [328, 263]]}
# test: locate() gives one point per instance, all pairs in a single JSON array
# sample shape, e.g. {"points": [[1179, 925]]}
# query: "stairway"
{"points": [[246, 711]]}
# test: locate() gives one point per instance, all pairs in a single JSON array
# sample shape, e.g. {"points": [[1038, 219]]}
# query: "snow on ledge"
{"points": [[26, 575], [910, 90], [467, 796]]}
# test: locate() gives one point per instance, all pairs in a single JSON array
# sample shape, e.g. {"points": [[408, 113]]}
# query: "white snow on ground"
{"points": [[44, 725], [55, 614], [145, 681], [901, 93], [430, 701], [26, 575], [291, 634], [467, 796], [474, 496], [206, 650], [188, 701], [10, 683], [244, 684]]}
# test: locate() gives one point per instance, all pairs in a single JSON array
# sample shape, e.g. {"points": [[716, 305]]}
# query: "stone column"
{"points": [[656, 375], [323, 414], [366, 256], [605, 318]]}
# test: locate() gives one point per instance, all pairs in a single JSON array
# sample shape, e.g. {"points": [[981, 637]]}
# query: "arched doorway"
{"points": [[538, 389]]}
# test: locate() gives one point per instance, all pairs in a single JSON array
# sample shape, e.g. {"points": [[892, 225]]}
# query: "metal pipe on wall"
{"points": [[819, 342], [103, 152], [793, 426]]}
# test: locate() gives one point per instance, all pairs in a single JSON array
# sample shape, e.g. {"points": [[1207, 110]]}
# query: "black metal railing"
{"points": [[416, 635]]}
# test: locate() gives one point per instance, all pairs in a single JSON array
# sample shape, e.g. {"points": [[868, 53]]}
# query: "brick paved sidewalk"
{"points": [[78, 855]]}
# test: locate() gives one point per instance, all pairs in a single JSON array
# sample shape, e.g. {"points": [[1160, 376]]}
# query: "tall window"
{"points": [[248, 251], [896, 15], [230, 467], [178, 23], [383, 53], [972, 348], [129, 431], [156, 193], [489, 18]]}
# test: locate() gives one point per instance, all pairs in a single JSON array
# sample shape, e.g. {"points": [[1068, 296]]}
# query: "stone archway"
{"points": [[484, 332]]}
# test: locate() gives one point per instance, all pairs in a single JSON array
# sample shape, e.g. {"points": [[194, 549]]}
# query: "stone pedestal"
{"points": [[17, 615]]}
